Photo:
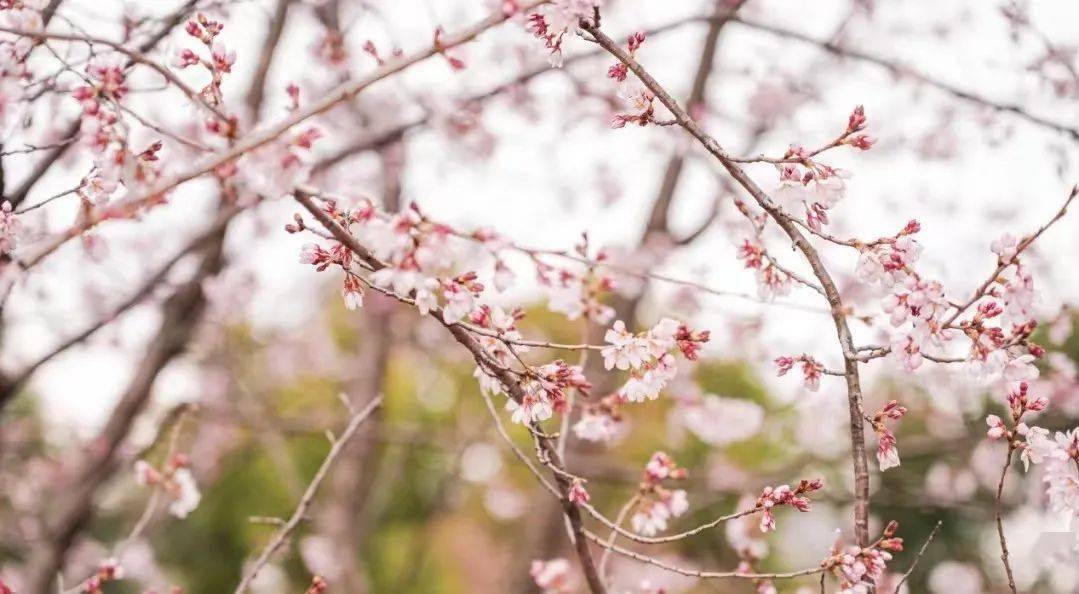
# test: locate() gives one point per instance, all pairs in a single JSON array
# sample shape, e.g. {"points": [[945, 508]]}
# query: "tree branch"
{"points": [[854, 390]]}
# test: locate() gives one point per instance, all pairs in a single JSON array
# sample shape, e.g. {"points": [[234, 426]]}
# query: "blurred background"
{"points": [[975, 107]]}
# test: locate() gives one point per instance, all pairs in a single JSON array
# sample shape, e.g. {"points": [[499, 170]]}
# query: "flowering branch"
{"points": [[131, 206], [861, 469]]}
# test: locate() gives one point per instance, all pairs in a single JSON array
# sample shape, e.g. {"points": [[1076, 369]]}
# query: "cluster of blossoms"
{"points": [[553, 21], [220, 59], [996, 352], [771, 497], [999, 329], [576, 295], [544, 388], [600, 422], [553, 576], [910, 298], [417, 256], [545, 391], [269, 171], [14, 73], [814, 186], [771, 281], [649, 356], [175, 480], [887, 260], [1061, 466], [811, 369], [887, 452], [1058, 454], [656, 504], [639, 99], [419, 261], [860, 569], [109, 571], [106, 135]]}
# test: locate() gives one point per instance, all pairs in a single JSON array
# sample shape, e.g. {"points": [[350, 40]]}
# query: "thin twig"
{"points": [[309, 494], [998, 512], [918, 557]]}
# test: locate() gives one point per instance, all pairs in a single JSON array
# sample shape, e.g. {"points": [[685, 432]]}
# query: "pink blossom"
{"points": [[577, 493], [626, 351], [552, 577], [997, 429], [594, 426], [1005, 247]]}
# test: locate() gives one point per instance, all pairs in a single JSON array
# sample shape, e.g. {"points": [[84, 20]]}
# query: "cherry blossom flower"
{"points": [[1005, 247], [175, 480], [352, 293], [639, 102], [656, 504], [811, 369], [908, 350], [554, 21], [626, 350], [661, 466], [577, 493], [772, 497], [145, 474], [652, 517], [595, 426], [1038, 446], [887, 452], [185, 492], [997, 429], [647, 381], [772, 283], [1020, 369], [534, 408], [648, 355], [721, 421], [553, 576], [575, 295], [859, 569]]}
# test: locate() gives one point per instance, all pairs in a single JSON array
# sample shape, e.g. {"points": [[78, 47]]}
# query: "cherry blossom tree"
{"points": [[368, 288]]}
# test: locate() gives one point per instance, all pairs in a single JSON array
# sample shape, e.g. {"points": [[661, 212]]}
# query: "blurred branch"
{"points": [[309, 494], [181, 313], [903, 71], [10, 385], [380, 138], [918, 557]]}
